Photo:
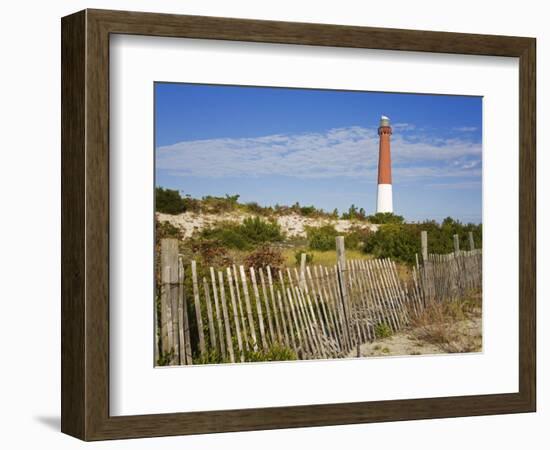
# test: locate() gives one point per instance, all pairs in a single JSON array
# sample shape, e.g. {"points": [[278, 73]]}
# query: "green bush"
{"points": [[321, 238], [308, 211], [298, 257], [382, 331], [212, 204], [394, 241], [259, 231], [383, 218], [402, 241], [251, 233], [168, 201], [227, 235], [274, 353], [166, 230], [354, 213], [324, 238], [210, 357], [356, 237], [256, 208]]}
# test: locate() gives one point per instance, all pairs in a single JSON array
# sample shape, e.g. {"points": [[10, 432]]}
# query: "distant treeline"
{"points": [[170, 201]]}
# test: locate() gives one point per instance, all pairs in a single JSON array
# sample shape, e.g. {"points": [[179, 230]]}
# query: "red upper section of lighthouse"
{"points": [[384, 155]]}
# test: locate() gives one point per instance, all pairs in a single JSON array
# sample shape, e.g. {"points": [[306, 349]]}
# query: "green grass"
{"points": [[327, 258]]}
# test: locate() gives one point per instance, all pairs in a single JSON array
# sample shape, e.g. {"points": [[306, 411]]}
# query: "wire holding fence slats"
{"points": [[317, 311]]}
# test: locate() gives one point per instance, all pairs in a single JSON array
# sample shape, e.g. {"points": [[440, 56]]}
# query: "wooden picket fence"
{"points": [[448, 277], [317, 311]]}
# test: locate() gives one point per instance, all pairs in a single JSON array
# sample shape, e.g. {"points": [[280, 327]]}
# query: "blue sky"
{"points": [[320, 147]]}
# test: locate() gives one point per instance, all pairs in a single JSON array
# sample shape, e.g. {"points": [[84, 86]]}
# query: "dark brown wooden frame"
{"points": [[85, 224]]}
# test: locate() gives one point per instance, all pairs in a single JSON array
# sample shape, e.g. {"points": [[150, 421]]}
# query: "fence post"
{"points": [[456, 244], [168, 302], [342, 282], [471, 239], [424, 242], [303, 259]]}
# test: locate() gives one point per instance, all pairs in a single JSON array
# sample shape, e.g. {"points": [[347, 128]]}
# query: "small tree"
{"points": [[383, 218], [354, 213], [168, 201]]}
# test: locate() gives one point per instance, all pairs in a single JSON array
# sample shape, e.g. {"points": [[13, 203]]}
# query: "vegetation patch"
{"points": [[245, 236], [265, 256], [321, 238], [451, 326], [382, 331], [384, 218], [402, 242], [298, 256]]}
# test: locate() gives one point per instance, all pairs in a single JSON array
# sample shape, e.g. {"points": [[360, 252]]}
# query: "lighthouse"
{"points": [[384, 199]]}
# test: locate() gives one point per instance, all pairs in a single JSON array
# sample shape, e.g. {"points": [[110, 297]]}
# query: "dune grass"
{"points": [[327, 258]]}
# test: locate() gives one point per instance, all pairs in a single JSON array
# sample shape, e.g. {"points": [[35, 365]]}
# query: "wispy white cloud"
{"points": [[456, 185], [403, 126], [465, 129], [340, 152]]}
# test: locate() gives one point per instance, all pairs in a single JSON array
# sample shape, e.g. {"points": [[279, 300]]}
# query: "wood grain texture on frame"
{"points": [[85, 224]]}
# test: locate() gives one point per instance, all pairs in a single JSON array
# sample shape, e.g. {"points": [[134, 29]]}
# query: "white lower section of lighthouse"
{"points": [[385, 201]]}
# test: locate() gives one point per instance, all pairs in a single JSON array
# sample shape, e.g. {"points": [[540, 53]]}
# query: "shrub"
{"points": [[402, 241], [256, 208], [259, 231], [382, 331], [394, 241], [324, 238], [354, 213], [166, 230], [321, 238], [298, 257], [383, 218], [251, 233], [169, 201], [356, 237], [308, 211], [274, 353], [265, 256], [211, 252], [210, 357], [214, 204], [165, 358]]}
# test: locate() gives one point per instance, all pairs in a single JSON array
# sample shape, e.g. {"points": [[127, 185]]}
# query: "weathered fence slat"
{"points": [[226, 318], [241, 310], [248, 309], [235, 314], [259, 310], [275, 312], [198, 312], [208, 301], [219, 319], [267, 307]]}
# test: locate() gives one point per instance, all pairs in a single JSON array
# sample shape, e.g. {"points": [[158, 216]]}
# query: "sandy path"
{"points": [[466, 337]]}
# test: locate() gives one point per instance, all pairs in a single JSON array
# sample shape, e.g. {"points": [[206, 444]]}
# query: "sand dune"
{"points": [[293, 225]]}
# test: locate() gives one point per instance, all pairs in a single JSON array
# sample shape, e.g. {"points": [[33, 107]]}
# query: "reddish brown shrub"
{"points": [[265, 256]]}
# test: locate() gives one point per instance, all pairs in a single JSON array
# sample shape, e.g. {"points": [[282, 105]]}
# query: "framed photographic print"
{"points": [[270, 224]]}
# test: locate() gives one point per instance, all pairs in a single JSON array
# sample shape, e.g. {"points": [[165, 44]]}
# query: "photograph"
{"points": [[315, 224]]}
